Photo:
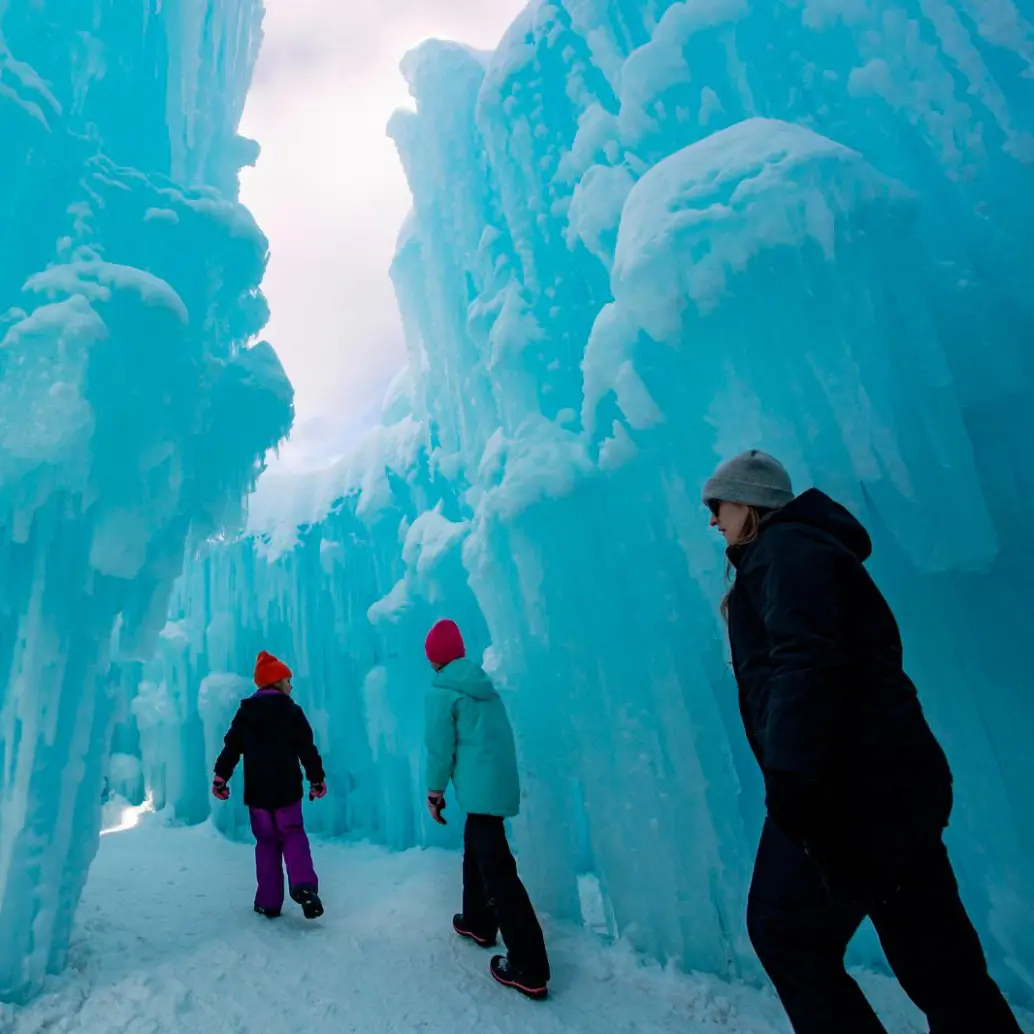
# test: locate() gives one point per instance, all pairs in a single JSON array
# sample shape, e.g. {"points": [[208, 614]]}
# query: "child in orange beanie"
{"points": [[273, 734]]}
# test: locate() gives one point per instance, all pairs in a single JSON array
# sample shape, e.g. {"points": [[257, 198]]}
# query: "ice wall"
{"points": [[133, 417], [647, 235]]}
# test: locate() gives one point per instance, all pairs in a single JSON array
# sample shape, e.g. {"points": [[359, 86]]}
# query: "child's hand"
{"points": [[435, 807], [317, 791], [220, 789]]}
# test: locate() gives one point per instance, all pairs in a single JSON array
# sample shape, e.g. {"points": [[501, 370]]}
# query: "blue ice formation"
{"points": [[133, 418], [647, 234]]}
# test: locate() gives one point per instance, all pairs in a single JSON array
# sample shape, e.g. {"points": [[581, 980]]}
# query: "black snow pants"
{"points": [[801, 933], [494, 899]]}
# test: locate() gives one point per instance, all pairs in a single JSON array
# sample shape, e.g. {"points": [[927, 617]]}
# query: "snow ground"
{"points": [[166, 943]]}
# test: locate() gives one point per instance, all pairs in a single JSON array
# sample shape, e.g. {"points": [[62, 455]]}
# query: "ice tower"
{"points": [[647, 234], [132, 416]]}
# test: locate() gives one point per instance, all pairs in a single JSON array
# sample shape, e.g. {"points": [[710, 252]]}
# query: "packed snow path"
{"points": [[166, 943]]}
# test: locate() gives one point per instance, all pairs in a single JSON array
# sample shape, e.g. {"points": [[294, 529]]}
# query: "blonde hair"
{"points": [[751, 527]]}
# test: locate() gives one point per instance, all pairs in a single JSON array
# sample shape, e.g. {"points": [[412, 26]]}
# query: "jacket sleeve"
{"points": [[305, 746], [233, 747], [440, 739], [798, 599]]}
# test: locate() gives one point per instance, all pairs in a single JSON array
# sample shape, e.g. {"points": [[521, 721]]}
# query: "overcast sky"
{"points": [[330, 194]]}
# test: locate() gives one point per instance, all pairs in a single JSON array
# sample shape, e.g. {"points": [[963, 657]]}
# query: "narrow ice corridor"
{"points": [[322, 321]]}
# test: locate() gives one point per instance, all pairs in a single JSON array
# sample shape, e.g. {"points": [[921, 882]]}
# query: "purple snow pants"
{"points": [[280, 837]]}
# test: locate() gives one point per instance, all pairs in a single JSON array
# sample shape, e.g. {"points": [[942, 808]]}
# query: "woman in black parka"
{"points": [[858, 791]]}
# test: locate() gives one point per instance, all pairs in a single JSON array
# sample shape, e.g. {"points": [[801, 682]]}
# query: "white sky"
{"points": [[330, 194]]}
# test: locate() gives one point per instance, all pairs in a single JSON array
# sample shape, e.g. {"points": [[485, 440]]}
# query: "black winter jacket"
{"points": [[818, 661], [273, 734]]}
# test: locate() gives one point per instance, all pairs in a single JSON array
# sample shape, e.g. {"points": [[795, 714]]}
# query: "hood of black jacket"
{"points": [[817, 510]]}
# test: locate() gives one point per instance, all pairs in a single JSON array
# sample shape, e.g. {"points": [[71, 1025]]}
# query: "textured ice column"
{"points": [[854, 351], [132, 417], [432, 587], [450, 223], [155, 725], [171, 727], [218, 699]]}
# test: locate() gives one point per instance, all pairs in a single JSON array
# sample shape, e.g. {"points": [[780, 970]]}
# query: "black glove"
{"points": [[436, 805], [799, 805]]}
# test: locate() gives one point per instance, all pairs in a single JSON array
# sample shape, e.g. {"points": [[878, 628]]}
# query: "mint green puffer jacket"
{"points": [[470, 741]]}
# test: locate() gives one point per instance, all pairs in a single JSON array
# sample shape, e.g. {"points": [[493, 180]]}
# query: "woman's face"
{"points": [[729, 519]]}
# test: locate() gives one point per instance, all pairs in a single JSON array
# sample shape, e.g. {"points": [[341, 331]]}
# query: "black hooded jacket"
{"points": [[818, 661], [273, 734]]}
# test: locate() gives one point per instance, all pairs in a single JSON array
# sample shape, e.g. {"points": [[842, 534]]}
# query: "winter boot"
{"points": [[312, 907], [269, 913], [506, 975], [461, 927]]}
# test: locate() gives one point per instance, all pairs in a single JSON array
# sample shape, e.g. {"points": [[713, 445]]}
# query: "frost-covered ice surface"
{"points": [[166, 942], [132, 416], [645, 236]]}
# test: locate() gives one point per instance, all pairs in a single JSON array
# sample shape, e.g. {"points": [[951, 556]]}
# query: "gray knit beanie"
{"points": [[753, 478]]}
